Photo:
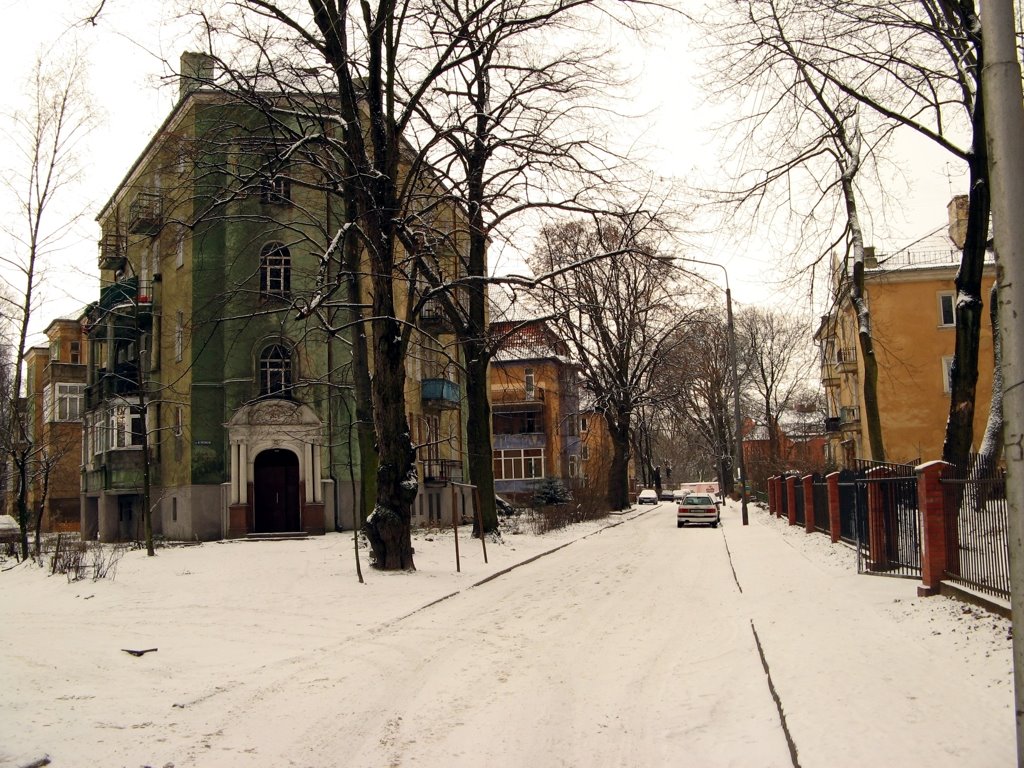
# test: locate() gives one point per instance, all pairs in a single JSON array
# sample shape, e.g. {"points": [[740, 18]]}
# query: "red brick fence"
{"points": [[934, 523]]}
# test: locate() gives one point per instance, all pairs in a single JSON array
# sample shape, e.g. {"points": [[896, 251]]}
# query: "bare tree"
{"points": [[44, 142], [778, 361], [696, 393], [506, 128], [608, 284], [912, 65]]}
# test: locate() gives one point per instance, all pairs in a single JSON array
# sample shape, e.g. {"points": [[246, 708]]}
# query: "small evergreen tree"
{"points": [[551, 491]]}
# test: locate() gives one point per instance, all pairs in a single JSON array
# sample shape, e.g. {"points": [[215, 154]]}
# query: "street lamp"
{"points": [[738, 458]]}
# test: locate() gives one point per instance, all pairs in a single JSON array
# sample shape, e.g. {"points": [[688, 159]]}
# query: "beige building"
{"points": [[911, 296]]}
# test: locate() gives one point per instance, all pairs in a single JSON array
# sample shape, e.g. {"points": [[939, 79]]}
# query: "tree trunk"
{"points": [[618, 476], [992, 443], [964, 373], [478, 430], [365, 436]]}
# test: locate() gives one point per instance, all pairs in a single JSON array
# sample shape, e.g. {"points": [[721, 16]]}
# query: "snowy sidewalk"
{"points": [[867, 672]]}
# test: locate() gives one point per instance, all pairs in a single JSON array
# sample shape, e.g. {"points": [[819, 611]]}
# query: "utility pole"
{"points": [[738, 463], [1004, 128]]}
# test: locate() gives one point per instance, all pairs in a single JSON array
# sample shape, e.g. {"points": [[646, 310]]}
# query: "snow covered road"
{"points": [[632, 646]]}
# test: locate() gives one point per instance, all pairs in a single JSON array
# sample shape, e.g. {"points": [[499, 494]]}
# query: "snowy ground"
{"points": [[634, 646]]}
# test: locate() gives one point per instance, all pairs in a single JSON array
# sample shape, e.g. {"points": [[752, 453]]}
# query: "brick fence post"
{"points": [[878, 559], [791, 498], [808, 483], [938, 553], [771, 495], [835, 523]]}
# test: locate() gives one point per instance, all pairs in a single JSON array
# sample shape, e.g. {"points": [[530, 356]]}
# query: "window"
{"points": [[275, 270], [75, 357], [531, 383], [174, 508], [179, 251], [584, 423], [947, 310], [574, 466], [179, 421], [275, 371], [55, 351], [585, 453], [947, 373], [179, 336], [124, 427], [276, 190], [69, 401], [516, 464]]}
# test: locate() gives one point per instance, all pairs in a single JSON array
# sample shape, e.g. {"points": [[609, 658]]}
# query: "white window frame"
{"points": [[947, 366], [530, 384], [64, 402], [179, 337], [517, 465], [952, 309], [124, 427]]}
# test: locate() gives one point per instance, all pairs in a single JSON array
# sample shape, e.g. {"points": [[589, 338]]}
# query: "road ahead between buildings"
{"points": [[631, 647]]}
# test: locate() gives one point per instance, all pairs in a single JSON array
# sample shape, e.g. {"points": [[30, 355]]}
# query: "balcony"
{"points": [[829, 375], [849, 416], [517, 399], [846, 359], [113, 251], [120, 382], [433, 318], [121, 471], [146, 213], [440, 393], [129, 298], [441, 471]]}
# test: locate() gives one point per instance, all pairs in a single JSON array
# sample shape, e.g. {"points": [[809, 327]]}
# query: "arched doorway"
{"points": [[276, 492]]}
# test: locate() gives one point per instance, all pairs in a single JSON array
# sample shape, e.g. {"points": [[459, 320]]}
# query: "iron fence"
{"points": [[889, 520], [798, 496], [821, 518], [976, 529]]}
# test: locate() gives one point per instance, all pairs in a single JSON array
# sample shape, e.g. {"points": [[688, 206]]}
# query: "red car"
{"points": [[698, 508]]}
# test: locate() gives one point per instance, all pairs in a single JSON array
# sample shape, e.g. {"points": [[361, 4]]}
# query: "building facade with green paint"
{"points": [[204, 356]]}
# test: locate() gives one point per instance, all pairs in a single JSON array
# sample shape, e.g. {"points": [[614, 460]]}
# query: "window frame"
{"points": [[947, 373], [269, 385], [942, 296], [275, 271]]}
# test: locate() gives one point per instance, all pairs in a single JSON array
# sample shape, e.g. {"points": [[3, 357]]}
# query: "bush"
{"points": [[551, 491], [80, 560]]}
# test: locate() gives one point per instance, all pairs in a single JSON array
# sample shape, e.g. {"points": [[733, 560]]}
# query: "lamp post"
{"points": [[738, 458]]}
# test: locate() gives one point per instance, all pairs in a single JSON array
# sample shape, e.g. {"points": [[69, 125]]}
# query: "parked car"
{"points": [[647, 496], [667, 494], [679, 495], [698, 508]]}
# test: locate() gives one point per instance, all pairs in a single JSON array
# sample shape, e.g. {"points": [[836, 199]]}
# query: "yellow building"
{"points": [[535, 408], [911, 296]]}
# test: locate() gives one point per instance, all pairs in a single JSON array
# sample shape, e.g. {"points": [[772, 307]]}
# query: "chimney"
{"points": [[870, 260], [957, 212], [196, 72]]}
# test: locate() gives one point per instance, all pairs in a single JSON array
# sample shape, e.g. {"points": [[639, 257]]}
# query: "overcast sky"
{"points": [[132, 90]]}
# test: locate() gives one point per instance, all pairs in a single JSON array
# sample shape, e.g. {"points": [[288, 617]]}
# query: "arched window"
{"points": [[276, 371], [275, 270]]}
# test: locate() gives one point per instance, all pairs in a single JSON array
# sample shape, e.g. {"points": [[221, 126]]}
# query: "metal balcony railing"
{"points": [[146, 213], [441, 471]]}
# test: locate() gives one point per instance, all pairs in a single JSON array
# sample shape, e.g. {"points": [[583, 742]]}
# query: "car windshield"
{"points": [[699, 500]]}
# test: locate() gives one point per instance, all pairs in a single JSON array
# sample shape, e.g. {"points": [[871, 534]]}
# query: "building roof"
{"points": [[529, 339]]}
